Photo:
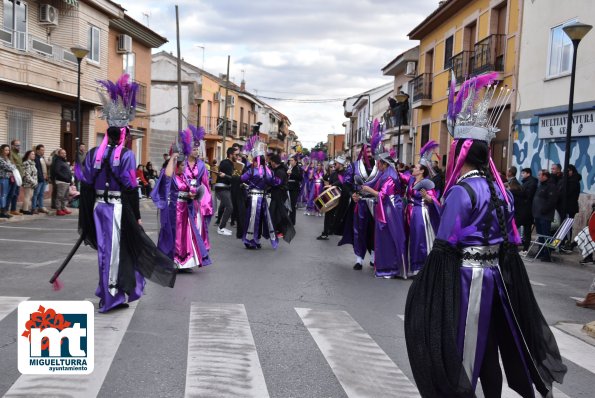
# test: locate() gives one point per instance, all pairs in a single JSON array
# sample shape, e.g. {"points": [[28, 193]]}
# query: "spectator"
{"points": [[63, 178], [53, 157], [80, 155], [556, 173], [522, 207], [165, 161], [14, 188], [511, 175], [6, 169], [42, 180], [438, 180], [150, 174], [544, 206], [29, 181], [572, 192], [529, 184], [142, 182]]}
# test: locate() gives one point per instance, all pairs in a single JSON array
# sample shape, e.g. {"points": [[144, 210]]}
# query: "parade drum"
{"points": [[328, 200], [592, 226]]}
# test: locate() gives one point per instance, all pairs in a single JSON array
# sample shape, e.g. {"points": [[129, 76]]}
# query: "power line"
{"points": [[302, 100]]}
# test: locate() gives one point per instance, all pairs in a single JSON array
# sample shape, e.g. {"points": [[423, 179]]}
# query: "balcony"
{"points": [[37, 47], [244, 130], [221, 125], [461, 65], [141, 97], [422, 91], [210, 124], [489, 54]]}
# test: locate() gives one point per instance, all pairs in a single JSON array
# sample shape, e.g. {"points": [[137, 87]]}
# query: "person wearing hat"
{"points": [[471, 309], [109, 213], [334, 218]]}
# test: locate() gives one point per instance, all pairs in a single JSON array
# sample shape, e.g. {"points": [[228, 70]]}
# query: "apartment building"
{"points": [[471, 38], [38, 70]]}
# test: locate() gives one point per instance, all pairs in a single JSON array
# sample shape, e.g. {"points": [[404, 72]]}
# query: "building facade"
{"points": [[469, 38], [544, 86], [38, 71]]}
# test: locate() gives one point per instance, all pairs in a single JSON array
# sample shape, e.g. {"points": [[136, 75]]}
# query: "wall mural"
{"points": [[530, 151]]}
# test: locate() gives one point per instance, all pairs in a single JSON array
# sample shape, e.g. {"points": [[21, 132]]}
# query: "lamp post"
{"points": [[79, 53], [575, 31], [401, 99]]}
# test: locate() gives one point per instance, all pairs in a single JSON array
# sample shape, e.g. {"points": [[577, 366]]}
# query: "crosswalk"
{"points": [[223, 361]]}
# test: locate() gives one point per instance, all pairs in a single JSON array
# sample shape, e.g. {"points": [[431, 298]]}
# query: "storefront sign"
{"points": [[554, 126]]}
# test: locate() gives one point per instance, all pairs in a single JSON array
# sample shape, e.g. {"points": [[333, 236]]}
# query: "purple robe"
{"points": [[422, 222], [258, 218], [390, 255], [315, 188], [183, 235]]}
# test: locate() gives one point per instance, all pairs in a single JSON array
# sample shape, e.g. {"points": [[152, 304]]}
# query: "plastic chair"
{"points": [[551, 242]]}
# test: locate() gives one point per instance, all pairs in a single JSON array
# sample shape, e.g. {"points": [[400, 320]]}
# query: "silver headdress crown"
{"points": [[119, 101], [468, 114]]}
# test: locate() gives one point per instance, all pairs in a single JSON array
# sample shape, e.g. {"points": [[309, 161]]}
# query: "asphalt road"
{"points": [[302, 323]]}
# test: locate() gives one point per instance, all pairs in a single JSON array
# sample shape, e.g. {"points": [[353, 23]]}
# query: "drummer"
{"points": [[334, 218]]}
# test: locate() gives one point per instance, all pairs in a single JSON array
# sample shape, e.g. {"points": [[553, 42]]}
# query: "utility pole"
{"points": [[179, 63], [225, 121]]}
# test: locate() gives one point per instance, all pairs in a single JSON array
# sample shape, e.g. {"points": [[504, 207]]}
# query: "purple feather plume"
{"points": [[430, 145], [198, 133], [475, 83], [251, 143], [376, 137], [186, 141], [392, 153]]}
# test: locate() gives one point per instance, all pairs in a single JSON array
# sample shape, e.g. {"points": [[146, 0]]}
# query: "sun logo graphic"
{"points": [[56, 337]]}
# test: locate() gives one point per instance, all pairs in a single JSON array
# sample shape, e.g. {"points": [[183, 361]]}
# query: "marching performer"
{"points": [[280, 201], [472, 303], [294, 182], [390, 255], [258, 218], [183, 197], [359, 224], [423, 210], [109, 216], [316, 186]]}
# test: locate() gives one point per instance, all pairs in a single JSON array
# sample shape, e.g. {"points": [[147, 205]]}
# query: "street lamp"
{"points": [[401, 98], [575, 31], [79, 53]]}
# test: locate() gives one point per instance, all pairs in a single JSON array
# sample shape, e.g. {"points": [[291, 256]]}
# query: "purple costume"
{"points": [[184, 221], [315, 188], [390, 255], [258, 218], [422, 222], [108, 220]]}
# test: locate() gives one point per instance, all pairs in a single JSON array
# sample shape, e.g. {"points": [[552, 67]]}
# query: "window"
{"points": [[560, 52], [425, 134], [128, 61], [448, 47], [94, 43], [19, 127], [15, 24]]}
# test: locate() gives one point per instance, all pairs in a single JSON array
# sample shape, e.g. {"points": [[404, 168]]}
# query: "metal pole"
{"points": [[225, 122], [79, 121], [179, 64], [399, 140], [569, 132]]}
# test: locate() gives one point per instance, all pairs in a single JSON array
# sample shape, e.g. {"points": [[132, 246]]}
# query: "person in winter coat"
{"points": [[63, 177], [6, 177], [29, 180], [544, 207], [529, 187]]}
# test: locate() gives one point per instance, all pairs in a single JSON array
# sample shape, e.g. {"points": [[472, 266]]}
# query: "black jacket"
{"points": [[544, 202], [225, 167], [61, 170], [295, 178]]}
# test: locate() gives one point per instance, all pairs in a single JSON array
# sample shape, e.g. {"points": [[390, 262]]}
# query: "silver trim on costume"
{"points": [[114, 265], [364, 174], [116, 196], [481, 250], [428, 229]]}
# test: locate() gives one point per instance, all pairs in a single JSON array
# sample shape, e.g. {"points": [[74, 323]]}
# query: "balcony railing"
{"points": [[209, 123], [461, 65], [422, 87], [141, 95], [244, 130], [36, 46], [221, 125], [489, 54]]}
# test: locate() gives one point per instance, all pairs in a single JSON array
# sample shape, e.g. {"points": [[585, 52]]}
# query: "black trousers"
{"points": [[329, 221], [527, 235], [293, 197], [225, 205]]}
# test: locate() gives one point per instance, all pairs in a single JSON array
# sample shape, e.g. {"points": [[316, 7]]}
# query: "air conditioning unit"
{"points": [[231, 100], [410, 70], [217, 97], [48, 15], [124, 44]]}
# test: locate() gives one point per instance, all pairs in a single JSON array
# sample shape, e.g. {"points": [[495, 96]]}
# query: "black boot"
{"points": [[357, 267]]}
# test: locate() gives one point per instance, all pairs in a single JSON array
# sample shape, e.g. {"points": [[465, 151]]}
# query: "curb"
{"points": [[589, 328], [24, 217]]}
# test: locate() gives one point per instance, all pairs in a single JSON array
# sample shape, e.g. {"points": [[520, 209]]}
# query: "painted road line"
{"points": [[40, 242], [29, 265], [401, 317], [361, 366], [109, 332], [222, 357], [575, 350], [537, 283], [9, 304], [39, 229]]}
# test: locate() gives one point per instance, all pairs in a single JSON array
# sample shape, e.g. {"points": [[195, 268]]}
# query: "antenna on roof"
{"points": [[147, 14]]}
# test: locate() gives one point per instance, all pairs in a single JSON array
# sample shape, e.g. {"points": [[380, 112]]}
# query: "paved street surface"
{"points": [[296, 322]]}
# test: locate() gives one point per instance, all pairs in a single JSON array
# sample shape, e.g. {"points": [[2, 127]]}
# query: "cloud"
{"points": [[303, 49]]}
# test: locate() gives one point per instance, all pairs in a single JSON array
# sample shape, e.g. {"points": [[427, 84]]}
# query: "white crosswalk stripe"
{"points": [[223, 360], [9, 304], [360, 365], [222, 357], [109, 332]]}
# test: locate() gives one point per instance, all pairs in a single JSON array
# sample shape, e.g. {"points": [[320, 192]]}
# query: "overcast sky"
{"points": [[299, 49]]}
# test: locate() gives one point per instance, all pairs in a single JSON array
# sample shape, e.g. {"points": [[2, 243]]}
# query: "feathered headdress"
{"points": [[191, 138], [119, 101], [468, 120], [425, 156], [376, 136]]}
